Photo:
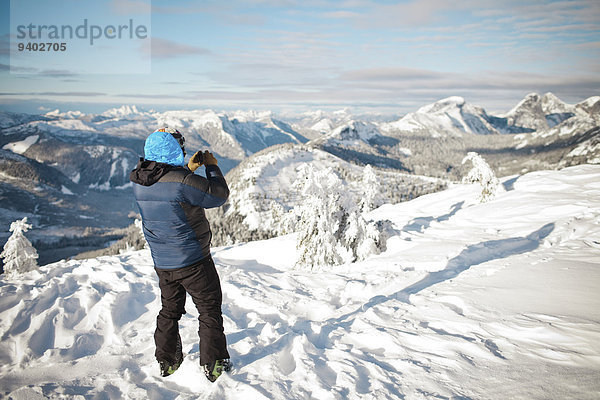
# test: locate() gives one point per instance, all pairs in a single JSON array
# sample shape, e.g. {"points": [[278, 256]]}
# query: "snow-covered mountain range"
{"points": [[469, 301], [455, 116], [68, 171], [540, 132]]}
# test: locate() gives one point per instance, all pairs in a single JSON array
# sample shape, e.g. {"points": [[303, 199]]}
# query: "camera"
{"points": [[198, 158]]}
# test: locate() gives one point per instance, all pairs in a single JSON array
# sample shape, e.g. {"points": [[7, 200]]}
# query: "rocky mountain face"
{"points": [[450, 116], [68, 171], [539, 113]]}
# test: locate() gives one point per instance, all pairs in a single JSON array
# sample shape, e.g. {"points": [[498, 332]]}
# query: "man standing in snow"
{"points": [[171, 200]]}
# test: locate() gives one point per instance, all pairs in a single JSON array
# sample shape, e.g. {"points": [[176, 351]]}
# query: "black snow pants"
{"points": [[201, 281]]}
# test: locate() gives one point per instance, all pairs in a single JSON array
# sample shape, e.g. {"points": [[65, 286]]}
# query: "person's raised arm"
{"points": [[208, 192]]}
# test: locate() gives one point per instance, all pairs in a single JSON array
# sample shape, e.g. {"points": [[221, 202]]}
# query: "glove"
{"points": [[196, 161], [209, 159]]}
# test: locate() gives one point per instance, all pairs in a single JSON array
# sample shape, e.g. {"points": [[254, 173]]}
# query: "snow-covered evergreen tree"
{"points": [[371, 190], [134, 238], [360, 236], [19, 255], [330, 225], [142, 243], [319, 217], [484, 175]]}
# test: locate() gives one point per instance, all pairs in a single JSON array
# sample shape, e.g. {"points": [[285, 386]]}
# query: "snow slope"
{"points": [[470, 301], [21, 146]]}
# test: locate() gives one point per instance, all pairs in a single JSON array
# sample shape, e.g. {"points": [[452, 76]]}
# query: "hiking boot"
{"points": [[167, 368], [216, 368]]}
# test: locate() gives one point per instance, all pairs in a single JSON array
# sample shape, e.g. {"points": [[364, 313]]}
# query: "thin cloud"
{"points": [[228, 13], [164, 48], [52, 94], [131, 7], [71, 94], [57, 73], [17, 69], [341, 14], [157, 96], [5, 44], [398, 79], [417, 13], [187, 9], [588, 46], [388, 74]]}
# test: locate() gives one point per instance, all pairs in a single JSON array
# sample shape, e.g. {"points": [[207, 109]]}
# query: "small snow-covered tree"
{"points": [[134, 238], [141, 243], [360, 236], [484, 175], [371, 190], [19, 255]]}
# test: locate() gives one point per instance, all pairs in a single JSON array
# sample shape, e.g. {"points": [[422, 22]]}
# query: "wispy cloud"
{"points": [[53, 94], [164, 48], [589, 46], [388, 75], [4, 44], [36, 71], [131, 7], [228, 13], [57, 73], [154, 96], [340, 14]]}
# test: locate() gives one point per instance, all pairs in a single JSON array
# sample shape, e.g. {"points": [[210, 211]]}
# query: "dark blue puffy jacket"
{"points": [[171, 200]]}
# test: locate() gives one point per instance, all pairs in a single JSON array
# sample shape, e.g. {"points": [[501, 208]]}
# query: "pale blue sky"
{"points": [[298, 55]]}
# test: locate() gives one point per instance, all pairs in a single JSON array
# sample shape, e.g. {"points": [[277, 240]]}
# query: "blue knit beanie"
{"points": [[163, 147]]}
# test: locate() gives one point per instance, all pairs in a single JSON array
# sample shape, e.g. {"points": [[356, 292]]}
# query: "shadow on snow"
{"points": [[478, 254], [419, 224]]}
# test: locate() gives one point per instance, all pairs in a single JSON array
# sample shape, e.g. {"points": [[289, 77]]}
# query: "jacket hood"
{"points": [[148, 172], [162, 147]]}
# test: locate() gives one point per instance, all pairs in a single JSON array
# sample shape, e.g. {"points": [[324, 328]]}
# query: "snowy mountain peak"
{"points": [[590, 102], [342, 113], [194, 119], [528, 103], [547, 104], [122, 111], [553, 105], [64, 115], [355, 130], [324, 125], [443, 105], [449, 116], [251, 115], [550, 97], [314, 115], [591, 106], [539, 112]]}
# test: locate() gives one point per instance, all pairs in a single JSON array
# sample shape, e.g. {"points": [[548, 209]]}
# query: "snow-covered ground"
{"points": [[470, 301], [21, 147]]}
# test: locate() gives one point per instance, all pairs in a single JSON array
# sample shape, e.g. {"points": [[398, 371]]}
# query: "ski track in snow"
{"points": [[470, 301]]}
